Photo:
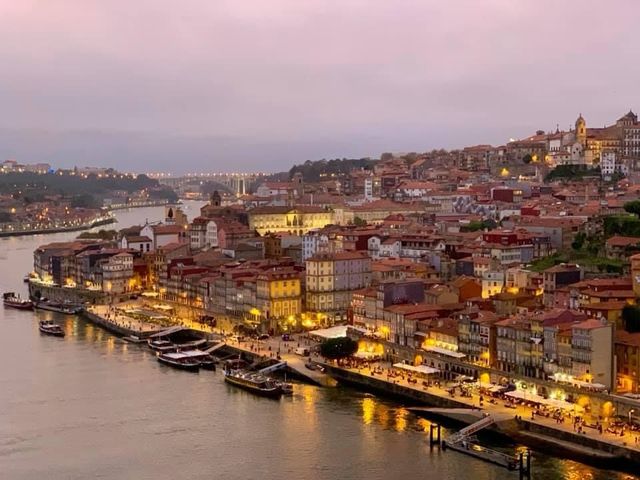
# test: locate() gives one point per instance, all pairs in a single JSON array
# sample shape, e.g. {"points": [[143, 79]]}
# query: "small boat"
{"points": [[253, 382], [286, 387], [179, 360], [65, 308], [206, 361], [134, 339], [14, 301], [50, 328], [162, 346]]}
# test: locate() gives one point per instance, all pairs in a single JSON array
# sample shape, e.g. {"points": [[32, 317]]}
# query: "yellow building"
{"points": [[294, 220], [279, 294]]}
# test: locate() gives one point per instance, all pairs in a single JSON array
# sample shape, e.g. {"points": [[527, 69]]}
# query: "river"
{"points": [[91, 406]]}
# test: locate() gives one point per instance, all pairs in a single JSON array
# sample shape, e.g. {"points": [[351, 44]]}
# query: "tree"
{"points": [[337, 348], [527, 158], [578, 241], [633, 207], [631, 318], [359, 222]]}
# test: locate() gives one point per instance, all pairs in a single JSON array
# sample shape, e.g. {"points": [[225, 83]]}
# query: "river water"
{"points": [[91, 406]]}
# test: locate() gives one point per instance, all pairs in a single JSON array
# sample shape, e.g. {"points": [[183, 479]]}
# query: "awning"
{"points": [[444, 351], [423, 369], [552, 402], [366, 355], [336, 332]]}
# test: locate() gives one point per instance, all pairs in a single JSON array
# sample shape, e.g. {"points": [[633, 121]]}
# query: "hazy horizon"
{"points": [[248, 86]]}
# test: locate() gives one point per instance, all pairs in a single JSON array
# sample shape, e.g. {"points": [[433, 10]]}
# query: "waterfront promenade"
{"points": [[628, 440]]}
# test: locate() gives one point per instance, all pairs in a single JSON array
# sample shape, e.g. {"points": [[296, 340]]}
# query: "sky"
{"points": [[216, 85]]}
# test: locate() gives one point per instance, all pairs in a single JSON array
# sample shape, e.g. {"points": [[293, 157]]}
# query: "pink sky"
{"points": [[315, 78]]}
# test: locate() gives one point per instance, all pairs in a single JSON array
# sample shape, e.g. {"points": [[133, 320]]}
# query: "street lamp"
{"points": [[630, 412]]}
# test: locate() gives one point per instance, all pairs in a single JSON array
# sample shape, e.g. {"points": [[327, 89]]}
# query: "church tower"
{"points": [[581, 131], [216, 199]]}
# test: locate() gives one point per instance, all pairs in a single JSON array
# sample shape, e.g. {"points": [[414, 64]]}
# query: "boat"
{"points": [[12, 300], [163, 346], [206, 361], [253, 382], [50, 328], [179, 360], [286, 387], [134, 339], [65, 308]]}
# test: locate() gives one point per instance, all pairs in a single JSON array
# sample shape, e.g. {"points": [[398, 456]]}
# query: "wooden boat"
{"points": [[162, 346], [50, 328], [179, 360], [286, 387], [253, 382], [12, 300], [67, 309], [206, 361], [134, 339]]}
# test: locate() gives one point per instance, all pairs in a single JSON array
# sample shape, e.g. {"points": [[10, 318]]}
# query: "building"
{"points": [[627, 354], [294, 220], [115, 273], [559, 276], [331, 279], [592, 344], [279, 296]]}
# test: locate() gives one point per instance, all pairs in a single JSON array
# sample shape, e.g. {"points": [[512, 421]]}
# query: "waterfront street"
{"points": [[275, 347], [172, 423], [498, 410]]}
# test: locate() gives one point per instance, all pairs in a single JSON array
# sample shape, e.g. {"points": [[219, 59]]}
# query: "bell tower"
{"points": [[581, 131]]}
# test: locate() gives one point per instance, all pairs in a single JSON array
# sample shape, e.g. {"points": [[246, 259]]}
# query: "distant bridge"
{"points": [[237, 183]]}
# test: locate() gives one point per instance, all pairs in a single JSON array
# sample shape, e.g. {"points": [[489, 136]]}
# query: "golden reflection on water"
{"points": [[368, 410], [383, 415], [423, 424], [111, 343], [401, 419]]}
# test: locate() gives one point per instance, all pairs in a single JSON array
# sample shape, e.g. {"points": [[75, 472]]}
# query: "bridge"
{"points": [[236, 183]]}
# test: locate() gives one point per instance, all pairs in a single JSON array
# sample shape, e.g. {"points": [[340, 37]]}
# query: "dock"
{"points": [[461, 441]]}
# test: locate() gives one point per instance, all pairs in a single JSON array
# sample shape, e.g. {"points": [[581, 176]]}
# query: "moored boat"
{"points": [[50, 328], [65, 308], [253, 382], [162, 346], [179, 360], [286, 387], [12, 300], [206, 361], [134, 339]]}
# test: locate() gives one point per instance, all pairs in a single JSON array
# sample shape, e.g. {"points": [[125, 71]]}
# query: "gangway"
{"points": [[215, 347], [461, 442], [273, 368], [471, 429]]}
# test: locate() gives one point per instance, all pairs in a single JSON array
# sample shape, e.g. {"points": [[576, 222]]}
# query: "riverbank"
{"points": [[74, 228], [542, 433]]}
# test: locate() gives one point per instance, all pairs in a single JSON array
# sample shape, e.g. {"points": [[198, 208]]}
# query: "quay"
{"points": [[117, 322], [430, 400], [513, 424], [295, 364], [73, 228]]}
